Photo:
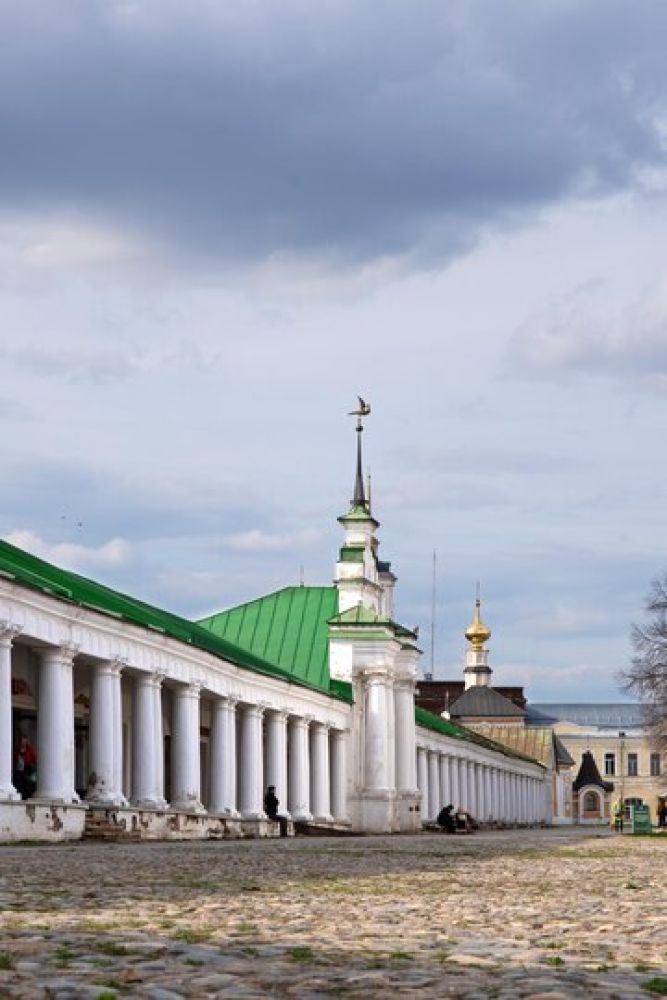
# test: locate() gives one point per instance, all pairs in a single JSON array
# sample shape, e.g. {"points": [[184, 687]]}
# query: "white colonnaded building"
{"points": [[119, 718]]}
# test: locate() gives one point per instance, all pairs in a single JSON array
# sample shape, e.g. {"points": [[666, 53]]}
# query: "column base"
{"points": [[224, 813], [106, 800], [326, 818], [187, 807], [9, 794], [148, 803], [302, 816], [253, 815], [56, 798]]}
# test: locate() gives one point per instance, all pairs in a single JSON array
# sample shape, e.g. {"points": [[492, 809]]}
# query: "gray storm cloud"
{"points": [[348, 130]]}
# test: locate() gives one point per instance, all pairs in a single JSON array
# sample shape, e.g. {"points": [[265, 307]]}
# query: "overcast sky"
{"points": [[219, 222]]}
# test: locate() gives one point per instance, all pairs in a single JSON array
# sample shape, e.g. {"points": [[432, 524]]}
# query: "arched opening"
{"points": [[592, 805]]}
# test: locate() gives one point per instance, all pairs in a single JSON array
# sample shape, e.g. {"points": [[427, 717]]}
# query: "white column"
{"points": [[144, 778], [422, 781], [404, 709], [445, 780], [251, 792], [376, 743], [454, 781], [338, 750], [471, 793], [158, 739], [480, 789], [55, 726], [102, 776], [185, 750], [7, 634], [433, 784], [488, 793], [120, 665], [299, 770], [463, 784], [276, 757], [222, 789], [320, 802]]}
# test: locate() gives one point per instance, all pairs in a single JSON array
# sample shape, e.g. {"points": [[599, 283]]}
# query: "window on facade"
{"points": [[610, 763], [634, 802], [633, 769], [655, 765]]}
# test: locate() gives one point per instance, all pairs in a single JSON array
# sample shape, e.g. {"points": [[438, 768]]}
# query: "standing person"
{"points": [[25, 768], [618, 812], [662, 813]]}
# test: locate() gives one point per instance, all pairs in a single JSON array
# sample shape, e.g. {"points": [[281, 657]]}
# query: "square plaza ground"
{"points": [[543, 913]]}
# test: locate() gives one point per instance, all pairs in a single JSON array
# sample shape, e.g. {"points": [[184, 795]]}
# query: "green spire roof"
{"points": [[288, 627]]}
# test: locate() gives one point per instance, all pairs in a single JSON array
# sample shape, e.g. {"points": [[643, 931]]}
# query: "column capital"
{"points": [[254, 711], [301, 721], [8, 632], [374, 675], [281, 714], [118, 664], [320, 726], [404, 684], [63, 654]]}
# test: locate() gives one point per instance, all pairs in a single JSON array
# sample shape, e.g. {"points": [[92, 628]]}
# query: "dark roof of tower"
{"points": [[483, 701], [589, 775]]}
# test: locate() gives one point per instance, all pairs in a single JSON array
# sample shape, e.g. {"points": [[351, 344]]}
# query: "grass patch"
{"points": [[191, 936], [246, 928], [194, 961], [301, 954], [403, 956], [631, 885], [7, 961], [111, 948], [64, 956], [107, 995], [657, 986], [555, 960]]}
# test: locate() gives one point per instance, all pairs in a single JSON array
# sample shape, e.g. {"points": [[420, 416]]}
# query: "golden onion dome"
{"points": [[478, 633]]}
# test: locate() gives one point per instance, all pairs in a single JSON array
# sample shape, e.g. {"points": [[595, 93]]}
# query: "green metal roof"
{"points": [[439, 725], [288, 628], [29, 571]]}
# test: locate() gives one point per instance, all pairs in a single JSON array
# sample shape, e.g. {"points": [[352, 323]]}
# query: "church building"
{"points": [[118, 718]]}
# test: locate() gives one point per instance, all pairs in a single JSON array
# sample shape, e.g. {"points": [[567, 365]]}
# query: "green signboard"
{"points": [[641, 819]]}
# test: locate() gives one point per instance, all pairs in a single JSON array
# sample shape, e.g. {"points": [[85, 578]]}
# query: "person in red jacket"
{"points": [[25, 768]]}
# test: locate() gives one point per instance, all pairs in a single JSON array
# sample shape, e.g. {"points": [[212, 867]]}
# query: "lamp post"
{"points": [[621, 737]]}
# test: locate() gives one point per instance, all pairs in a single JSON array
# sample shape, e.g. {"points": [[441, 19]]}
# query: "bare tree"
{"points": [[647, 675]]}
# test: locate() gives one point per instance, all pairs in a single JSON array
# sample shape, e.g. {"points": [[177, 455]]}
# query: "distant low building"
{"points": [[608, 743]]}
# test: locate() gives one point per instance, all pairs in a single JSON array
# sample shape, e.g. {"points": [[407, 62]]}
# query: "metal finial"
{"points": [[359, 498]]}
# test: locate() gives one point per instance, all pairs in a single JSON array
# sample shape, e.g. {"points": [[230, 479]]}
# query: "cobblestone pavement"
{"points": [[542, 914]]}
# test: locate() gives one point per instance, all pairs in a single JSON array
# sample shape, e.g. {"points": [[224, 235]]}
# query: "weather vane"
{"points": [[363, 411]]}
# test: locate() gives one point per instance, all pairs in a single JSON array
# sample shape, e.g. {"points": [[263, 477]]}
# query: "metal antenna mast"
{"points": [[433, 581]]}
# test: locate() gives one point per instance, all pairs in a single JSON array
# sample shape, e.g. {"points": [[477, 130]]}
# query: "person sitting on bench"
{"points": [[271, 803], [445, 819]]}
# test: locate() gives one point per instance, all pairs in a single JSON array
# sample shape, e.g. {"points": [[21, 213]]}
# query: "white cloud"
{"points": [[114, 553], [256, 540], [580, 334]]}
